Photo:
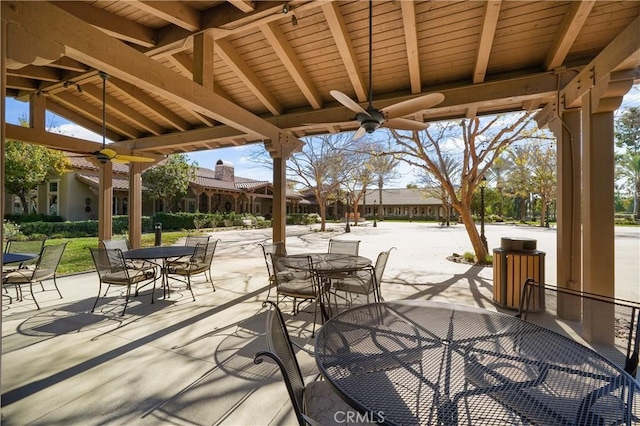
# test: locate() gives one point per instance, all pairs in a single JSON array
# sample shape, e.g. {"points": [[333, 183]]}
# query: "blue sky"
{"points": [[239, 156]]}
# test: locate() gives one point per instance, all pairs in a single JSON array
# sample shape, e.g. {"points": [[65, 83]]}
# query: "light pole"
{"points": [[483, 183], [375, 214], [347, 228]]}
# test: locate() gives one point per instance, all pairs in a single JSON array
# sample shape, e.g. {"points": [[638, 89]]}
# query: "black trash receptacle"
{"points": [[513, 263], [158, 230]]}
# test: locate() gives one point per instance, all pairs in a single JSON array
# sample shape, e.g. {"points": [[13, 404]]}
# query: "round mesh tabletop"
{"points": [[327, 262], [423, 363]]}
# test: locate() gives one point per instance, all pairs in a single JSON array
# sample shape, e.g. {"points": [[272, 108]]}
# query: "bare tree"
{"points": [[477, 143], [321, 167], [448, 165]]}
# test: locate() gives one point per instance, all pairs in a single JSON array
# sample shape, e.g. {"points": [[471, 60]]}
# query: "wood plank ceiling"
{"points": [[279, 60]]}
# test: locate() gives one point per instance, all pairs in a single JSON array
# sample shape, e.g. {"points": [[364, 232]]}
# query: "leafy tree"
{"points": [[520, 180], [628, 169], [627, 131], [477, 143], [627, 137], [169, 181], [544, 177], [361, 165], [384, 168], [28, 165]]}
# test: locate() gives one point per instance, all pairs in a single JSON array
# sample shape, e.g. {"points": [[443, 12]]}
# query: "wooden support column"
{"points": [[37, 111], [3, 135], [135, 204], [279, 200], [598, 105], [569, 235], [105, 202]]}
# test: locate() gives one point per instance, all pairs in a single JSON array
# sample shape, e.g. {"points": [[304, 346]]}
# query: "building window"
{"points": [[114, 208], [191, 205], [125, 205], [52, 196]]}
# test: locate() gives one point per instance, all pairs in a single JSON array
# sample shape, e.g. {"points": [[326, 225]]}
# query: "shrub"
{"points": [[11, 231]]}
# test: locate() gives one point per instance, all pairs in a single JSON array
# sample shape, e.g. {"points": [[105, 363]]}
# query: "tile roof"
{"points": [[401, 196], [93, 181]]}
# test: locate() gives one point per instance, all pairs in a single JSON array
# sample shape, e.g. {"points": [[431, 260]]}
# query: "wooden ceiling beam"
{"points": [[86, 44], [411, 41], [487, 33], [232, 59], [340, 34], [176, 12], [114, 25], [79, 119], [115, 104], [68, 64], [288, 57], [36, 73], [51, 140], [571, 25], [92, 112], [247, 6], [623, 53], [155, 108], [21, 83]]}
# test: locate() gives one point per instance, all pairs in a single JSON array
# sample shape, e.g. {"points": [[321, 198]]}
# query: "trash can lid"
{"points": [[519, 244]]}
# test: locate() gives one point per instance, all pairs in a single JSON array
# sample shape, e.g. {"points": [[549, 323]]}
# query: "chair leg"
{"points": [[32, 295], [97, 298], [126, 302], [189, 287], [210, 279], [55, 284]]}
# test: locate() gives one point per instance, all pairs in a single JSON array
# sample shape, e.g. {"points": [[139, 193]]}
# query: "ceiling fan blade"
{"points": [[108, 152], [348, 102], [404, 124], [412, 105], [358, 134], [134, 159], [119, 160]]}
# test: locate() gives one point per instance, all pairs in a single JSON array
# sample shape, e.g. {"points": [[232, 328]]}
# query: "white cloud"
{"points": [[75, 131]]}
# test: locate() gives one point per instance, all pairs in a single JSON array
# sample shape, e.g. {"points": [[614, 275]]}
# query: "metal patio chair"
{"points": [[277, 247], [314, 403], [112, 270], [365, 282], [552, 299], [199, 263], [45, 268]]}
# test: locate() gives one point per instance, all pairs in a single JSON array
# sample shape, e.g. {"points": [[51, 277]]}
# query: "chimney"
{"points": [[224, 171]]}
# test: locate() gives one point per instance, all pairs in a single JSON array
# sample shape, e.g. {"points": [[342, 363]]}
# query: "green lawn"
{"points": [[77, 257]]}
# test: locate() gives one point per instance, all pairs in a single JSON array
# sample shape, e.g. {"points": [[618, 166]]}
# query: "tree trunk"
{"points": [[322, 208], [25, 205], [380, 196], [472, 231], [543, 210]]}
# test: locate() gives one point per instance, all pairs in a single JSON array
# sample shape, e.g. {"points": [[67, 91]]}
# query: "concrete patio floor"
{"points": [[191, 363]]}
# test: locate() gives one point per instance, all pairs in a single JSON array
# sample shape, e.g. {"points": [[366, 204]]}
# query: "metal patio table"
{"points": [[17, 257], [162, 253], [327, 263], [423, 363]]}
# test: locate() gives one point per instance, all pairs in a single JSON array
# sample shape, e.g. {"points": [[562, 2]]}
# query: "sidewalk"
{"points": [[191, 363]]}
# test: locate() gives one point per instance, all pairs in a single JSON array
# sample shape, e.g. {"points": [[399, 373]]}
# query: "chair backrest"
{"points": [[564, 302], [117, 243], [284, 271], [49, 261], [33, 246], [277, 247], [281, 351], [108, 261], [381, 264], [193, 240], [344, 247], [211, 250]]}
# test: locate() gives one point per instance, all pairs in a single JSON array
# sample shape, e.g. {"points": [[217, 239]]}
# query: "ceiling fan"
{"points": [[105, 154], [371, 118]]}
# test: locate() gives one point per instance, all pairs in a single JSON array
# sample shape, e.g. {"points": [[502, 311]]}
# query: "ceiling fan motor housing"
{"points": [[370, 122]]}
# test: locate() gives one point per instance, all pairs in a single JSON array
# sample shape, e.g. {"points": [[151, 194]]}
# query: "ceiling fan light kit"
{"points": [[371, 118]]}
